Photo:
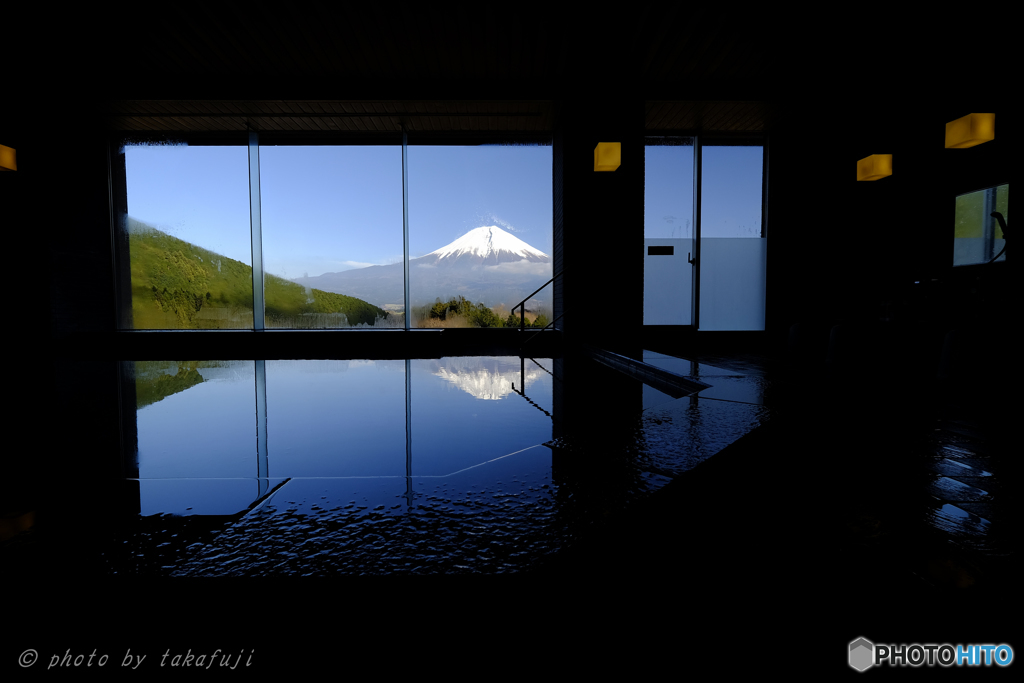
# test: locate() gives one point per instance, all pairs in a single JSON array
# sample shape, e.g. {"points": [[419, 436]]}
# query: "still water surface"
{"points": [[387, 466], [337, 418]]}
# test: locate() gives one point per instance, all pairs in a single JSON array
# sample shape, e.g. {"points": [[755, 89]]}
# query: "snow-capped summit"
{"points": [[486, 265], [488, 244], [489, 378]]}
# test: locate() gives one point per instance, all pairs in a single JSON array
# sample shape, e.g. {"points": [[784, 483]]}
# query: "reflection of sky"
{"points": [[452, 429], [327, 209], [342, 419], [345, 419], [208, 430], [730, 192]]}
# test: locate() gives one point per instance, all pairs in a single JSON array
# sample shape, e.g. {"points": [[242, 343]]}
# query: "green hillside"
{"points": [[153, 384], [178, 285]]}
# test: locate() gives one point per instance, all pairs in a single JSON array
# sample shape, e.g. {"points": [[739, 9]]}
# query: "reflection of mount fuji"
{"points": [[486, 378], [487, 265]]}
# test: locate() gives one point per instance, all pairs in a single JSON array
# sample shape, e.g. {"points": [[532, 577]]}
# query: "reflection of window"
{"points": [[196, 447], [977, 235]]}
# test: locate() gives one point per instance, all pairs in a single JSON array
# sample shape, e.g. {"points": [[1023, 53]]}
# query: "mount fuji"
{"points": [[486, 265], [485, 246]]}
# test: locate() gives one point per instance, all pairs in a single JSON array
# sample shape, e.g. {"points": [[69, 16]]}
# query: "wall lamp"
{"points": [[874, 167], [966, 131], [970, 130], [607, 156], [8, 162]]}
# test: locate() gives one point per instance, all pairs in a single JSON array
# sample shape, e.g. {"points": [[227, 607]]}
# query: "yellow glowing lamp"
{"points": [[874, 167], [970, 130], [607, 156], [7, 159], [13, 523]]}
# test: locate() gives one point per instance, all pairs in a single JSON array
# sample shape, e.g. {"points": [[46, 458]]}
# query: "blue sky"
{"points": [[730, 192], [327, 209]]}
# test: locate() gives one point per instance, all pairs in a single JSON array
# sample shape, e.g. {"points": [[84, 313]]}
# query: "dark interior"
{"points": [[861, 301]]}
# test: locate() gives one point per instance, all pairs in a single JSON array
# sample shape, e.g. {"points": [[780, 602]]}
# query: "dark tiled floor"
{"points": [[865, 500], [882, 508]]}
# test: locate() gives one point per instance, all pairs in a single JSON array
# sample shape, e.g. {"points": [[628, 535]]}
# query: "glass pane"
{"points": [[479, 234], [189, 237], [332, 236], [733, 254], [977, 235], [668, 231]]}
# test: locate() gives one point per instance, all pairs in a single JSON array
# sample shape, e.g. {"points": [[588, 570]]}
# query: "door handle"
{"points": [[691, 261]]}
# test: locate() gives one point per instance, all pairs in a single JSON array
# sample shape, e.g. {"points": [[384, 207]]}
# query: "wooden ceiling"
{"points": [[393, 43], [709, 116], [373, 70], [329, 117]]}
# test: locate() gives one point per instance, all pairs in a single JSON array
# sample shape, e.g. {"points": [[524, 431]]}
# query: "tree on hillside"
{"points": [[478, 315], [483, 316], [180, 287]]}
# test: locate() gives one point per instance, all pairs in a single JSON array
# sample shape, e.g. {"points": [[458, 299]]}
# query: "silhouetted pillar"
{"points": [[598, 224]]}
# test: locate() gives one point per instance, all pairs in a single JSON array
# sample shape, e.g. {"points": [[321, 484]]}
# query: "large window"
{"points": [[977, 235], [328, 237]]}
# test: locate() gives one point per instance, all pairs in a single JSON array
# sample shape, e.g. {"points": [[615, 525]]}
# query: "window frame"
{"points": [[117, 185], [715, 139]]}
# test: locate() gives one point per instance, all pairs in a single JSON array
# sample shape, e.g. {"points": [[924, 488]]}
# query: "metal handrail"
{"points": [[534, 360], [536, 332], [522, 382], [530, 401], [522, 304]]}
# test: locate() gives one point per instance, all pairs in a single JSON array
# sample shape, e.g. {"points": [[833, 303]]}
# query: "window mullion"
{"points": [[258, 309], [405, 221]]}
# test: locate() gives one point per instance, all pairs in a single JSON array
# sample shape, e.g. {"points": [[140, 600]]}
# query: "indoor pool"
{"points": [[422, 466]]}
